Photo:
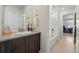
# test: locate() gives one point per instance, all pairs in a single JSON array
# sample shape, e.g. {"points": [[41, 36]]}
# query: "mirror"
{"points": [[14, 17]]}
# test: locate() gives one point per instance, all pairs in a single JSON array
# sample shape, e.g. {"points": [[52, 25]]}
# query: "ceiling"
{"points": [[65, 8], [18, 6]]}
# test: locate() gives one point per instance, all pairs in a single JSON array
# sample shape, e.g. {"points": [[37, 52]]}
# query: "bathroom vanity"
{"points": [[27, 43]]}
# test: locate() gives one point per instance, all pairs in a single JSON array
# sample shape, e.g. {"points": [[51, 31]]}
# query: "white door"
{"points": [[53, 22]]}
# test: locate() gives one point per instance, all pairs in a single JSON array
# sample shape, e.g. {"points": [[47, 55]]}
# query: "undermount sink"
{"points": [[22, 33]]}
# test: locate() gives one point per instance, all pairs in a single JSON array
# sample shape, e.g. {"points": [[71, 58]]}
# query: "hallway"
{"points": [[64, 45]]}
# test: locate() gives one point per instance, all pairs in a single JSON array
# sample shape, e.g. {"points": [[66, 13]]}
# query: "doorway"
{"points": [[68, 23]]}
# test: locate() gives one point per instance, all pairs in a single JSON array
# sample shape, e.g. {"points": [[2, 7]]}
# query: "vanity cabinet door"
{"points": [[34, 43], [2, 47], [19, 45], [26, 44], [37, 36], [8, 46]]}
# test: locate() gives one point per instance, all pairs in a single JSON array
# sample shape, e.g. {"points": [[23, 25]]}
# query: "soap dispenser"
{"points": [[28, 28]]}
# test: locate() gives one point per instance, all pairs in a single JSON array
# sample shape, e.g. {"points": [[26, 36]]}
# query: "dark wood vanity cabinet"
{"points": [[26, 44], [2, 47], [8, 46], [18, 45], [34, 43]]}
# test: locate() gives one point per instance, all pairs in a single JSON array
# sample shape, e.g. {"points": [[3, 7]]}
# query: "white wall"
{"points": [[13, 17], [1, 8], [61, 24]]}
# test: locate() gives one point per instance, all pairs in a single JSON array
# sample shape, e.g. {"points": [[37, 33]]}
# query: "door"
{"points": [[77, 32], [34, 43], [8, 46], [53, 22], [26, 44], [76, 35], [18, 45], [76, 29]]}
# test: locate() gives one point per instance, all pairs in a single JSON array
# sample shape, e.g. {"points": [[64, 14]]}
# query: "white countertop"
{"points": [[5, 38]]}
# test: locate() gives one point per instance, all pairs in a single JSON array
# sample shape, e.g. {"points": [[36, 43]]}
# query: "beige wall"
{"points": [[43, 14], [44, 27]]}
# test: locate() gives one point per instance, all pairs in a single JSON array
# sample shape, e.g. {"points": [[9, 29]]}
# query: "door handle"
{"points": [[52, 29]]}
